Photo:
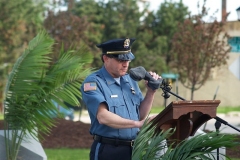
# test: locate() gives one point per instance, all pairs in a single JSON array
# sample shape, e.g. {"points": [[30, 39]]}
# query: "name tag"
{"points": [[114, 96]]}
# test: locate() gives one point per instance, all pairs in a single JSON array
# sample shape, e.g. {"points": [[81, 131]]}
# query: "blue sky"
{"points": [[213, 5]]}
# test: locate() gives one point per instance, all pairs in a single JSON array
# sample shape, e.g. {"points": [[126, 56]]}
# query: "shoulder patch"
{"points": [[90, 86]]}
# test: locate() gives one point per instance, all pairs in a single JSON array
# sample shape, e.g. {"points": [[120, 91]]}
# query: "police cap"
{"points": [[118, 48]]}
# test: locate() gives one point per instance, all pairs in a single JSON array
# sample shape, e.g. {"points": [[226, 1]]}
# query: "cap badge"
{"points": [[126, 43]]}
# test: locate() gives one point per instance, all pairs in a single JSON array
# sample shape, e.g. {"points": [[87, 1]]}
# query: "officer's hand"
{"points": [[151, 118], [141, 123], [155, 75], [155, 82]]}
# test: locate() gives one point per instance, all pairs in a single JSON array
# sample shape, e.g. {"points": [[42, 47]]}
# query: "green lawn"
{"points": [[73, 154], [228, 109], [67, 154]]}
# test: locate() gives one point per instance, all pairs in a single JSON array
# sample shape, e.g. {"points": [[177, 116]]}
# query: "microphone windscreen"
{"points": [[137, 73]]}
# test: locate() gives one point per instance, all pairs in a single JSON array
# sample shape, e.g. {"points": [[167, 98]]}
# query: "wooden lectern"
{"points": [[186, 117]]}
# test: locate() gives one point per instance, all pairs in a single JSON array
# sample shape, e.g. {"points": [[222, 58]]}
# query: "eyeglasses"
{"points": [[121, 61]]}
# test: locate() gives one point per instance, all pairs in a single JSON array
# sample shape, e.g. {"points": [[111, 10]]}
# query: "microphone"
{"points": [[139, 73]]}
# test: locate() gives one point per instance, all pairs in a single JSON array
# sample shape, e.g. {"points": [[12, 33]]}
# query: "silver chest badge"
{"points": [[132, 90]]}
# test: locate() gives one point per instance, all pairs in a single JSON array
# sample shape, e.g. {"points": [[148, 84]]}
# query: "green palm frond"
{"points": [[148, 145], [35, 82], [202, 146], [28, 68]]}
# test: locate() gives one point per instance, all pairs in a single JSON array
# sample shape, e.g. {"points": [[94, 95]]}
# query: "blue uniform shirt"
{"points": [[123, 100]]}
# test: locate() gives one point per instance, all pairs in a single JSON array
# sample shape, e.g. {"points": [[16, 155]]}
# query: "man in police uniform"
{"points": [[115, 103]]}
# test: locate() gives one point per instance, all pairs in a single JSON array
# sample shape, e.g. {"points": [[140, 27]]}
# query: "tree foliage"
{"points": [[67, 30], [121, 19], [20, 21], [93, 12], [199, 47], [166, 22], [148, 47]]}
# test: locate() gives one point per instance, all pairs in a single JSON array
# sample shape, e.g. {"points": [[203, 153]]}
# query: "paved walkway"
{"points": [[233, 123]]}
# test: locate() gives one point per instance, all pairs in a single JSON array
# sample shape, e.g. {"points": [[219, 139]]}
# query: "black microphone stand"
{"points": [[166, 89], [217, 126]]}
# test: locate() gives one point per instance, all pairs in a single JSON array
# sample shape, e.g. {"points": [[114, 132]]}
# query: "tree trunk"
{"points": [[1, 102], [192, 92]]}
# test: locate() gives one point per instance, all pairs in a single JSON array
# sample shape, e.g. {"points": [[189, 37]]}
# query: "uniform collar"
{"points": [[109, 79]]}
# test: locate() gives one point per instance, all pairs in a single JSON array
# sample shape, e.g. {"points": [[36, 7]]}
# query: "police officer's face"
{"points": [[116, 67]]}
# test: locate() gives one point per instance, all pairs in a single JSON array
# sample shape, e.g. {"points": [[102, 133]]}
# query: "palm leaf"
{"points": [[34, 83], [148, 145], [201, 145]]}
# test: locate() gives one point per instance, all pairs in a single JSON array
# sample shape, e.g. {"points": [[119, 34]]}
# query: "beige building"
{"points": [[222, 81]]}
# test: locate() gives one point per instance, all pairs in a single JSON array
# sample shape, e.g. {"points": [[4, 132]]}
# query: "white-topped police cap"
{"points": [[118, 48]]}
